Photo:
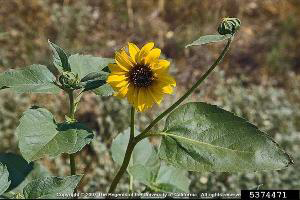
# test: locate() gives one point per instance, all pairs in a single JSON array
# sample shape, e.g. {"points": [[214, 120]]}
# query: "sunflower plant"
{"points": [[197, 136]]}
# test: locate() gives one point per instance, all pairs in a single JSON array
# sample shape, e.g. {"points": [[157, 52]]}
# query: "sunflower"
{"points": [[141, 76]]}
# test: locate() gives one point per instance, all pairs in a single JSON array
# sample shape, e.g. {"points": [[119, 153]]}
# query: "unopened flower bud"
{"points": [[69, 80], [229, 26]]}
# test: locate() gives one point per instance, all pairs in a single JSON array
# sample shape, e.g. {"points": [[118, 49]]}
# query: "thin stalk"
{"points": [[128, 153], [189, 92], [133, 141], [71, 105], [72, 164], [123, 167], [130, 184], [72, 108], [132, 113]]}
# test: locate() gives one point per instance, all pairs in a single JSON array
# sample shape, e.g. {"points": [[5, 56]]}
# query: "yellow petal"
{"points": [[144, 52], [167, 89], [130, 94], [141, 100], [114, 78], [164, 63], [162, 66], [114, 68], [156, 96], [149, 99], [133, 50], [123, 60], [122, 92], [118, 84], [166, 78], [135, 97], [153, 55]]}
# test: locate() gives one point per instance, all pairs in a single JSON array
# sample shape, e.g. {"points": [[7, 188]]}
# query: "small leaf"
{"points": [[60, 58], [4, 182], [17, 167], [94, 80], [38, 171], [91, 85], [39, 135], [93, 75], [104, 90], [86, 64], [209, 39], [146, 167], [160, 177], [35, 78], [202, 137], [178, 183], [49, 187], [141, 153]]}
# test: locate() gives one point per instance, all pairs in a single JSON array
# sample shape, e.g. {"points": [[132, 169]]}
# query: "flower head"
{"points": [[141, 76]]}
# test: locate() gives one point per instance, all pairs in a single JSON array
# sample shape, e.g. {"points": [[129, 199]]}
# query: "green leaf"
{"points": [[146, 167], [4, 182], [93, 72], [165, 177], [93, 76], [86, 64], [159, 176], [38, 171], [104, 90], [94, 80], [60, 58], [39, 135], [209, 39], [202, 137], [17, 167], [140, 154], [35, 78], [49, 187]]}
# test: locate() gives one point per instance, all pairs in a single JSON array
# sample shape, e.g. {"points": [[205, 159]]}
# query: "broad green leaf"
{"points": [[165, 177], [35, 78], [146, 167], [159, 177], [140, 154], [4, 182], [60, 58], [38, 171], [49, 187], [17, 167], [86, 64], [202, 137], [104, 90], [39, 135], [94, 80], [93, 76], [209, 39]]}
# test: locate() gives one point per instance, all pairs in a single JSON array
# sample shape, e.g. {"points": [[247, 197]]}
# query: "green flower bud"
{"points": [[69, 80], [229, 26]]}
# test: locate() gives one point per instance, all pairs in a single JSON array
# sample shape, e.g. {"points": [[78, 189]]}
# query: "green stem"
{"points": [[72, 164], [132, 123], [133, 141], [123, 167], [72, 105], [130, 184], [72, 110], [188, 93], [130, 147]]}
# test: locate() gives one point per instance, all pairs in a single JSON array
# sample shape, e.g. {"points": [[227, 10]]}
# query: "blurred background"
{"points": [[258, 80]]}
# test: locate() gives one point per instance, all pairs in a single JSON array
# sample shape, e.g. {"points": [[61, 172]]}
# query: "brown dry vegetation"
{"points": [[264, 56]]}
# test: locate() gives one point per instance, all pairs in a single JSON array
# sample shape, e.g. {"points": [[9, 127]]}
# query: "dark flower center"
{"points": [[141, 76]]}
